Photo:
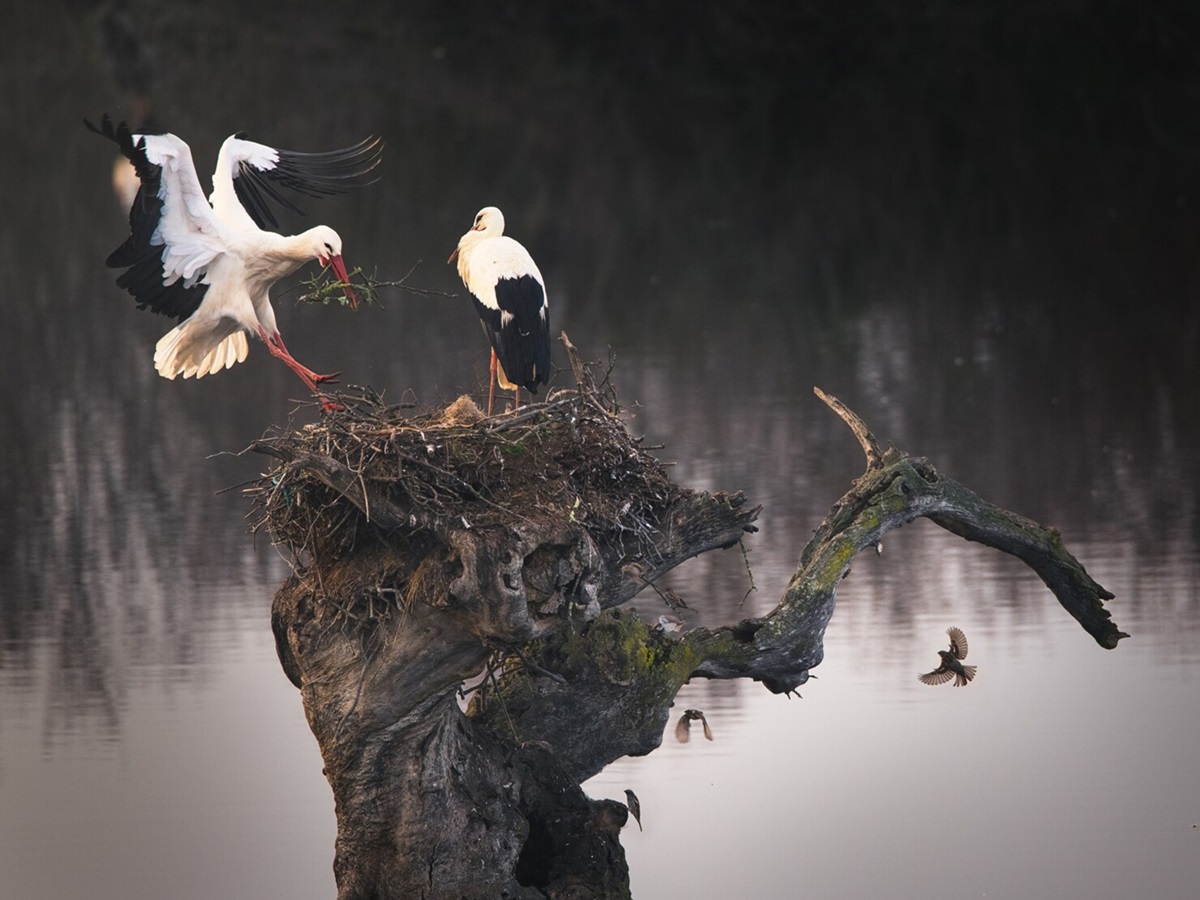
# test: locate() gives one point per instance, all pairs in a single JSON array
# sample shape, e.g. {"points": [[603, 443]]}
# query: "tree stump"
{"points": [[449, 548]]}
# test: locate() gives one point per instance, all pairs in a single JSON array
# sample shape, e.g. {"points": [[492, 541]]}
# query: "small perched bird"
{"points": [[951, 667], [209, 263], [668, 624], [510, 297], [635, 808], [683, 729]]}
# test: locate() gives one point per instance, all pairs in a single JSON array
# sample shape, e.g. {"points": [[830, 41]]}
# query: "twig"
{"points": [[538, 670], [503, 705], [324, 287], [583, 378], [749, 572], [532, 411]]}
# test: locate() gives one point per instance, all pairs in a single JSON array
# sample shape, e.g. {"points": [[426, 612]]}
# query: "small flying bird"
{"points": [[635, 808], [951, 667], [683, 729], [210, 264], [510, 297]]}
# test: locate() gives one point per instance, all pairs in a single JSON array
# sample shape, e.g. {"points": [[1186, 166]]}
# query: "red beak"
{"points": [[339, 269], [452, 255]]}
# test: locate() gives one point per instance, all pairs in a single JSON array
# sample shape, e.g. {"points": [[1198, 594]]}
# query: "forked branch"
{"points": [[896, 489]]}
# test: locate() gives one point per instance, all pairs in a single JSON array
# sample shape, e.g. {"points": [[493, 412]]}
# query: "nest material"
{"points": [[569, 458]]}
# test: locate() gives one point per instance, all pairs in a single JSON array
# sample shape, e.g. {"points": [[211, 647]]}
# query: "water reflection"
{"points": [[1031, 330], [118, 555]]}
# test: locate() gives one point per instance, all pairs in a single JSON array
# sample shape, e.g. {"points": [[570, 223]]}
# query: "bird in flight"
{"points": [[951, 667], [209, 262], [683, 728]]}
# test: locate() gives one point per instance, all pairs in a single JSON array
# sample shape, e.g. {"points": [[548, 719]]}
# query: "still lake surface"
{"points": [[150, 745]]}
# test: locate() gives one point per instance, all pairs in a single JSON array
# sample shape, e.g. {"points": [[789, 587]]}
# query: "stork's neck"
{"points": [[466, 247], [271, 256]]}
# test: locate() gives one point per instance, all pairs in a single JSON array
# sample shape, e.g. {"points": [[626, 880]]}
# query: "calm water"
{"points": [[1036, 339]]}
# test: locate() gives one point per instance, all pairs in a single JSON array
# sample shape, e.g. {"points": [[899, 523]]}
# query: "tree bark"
{"points": [[433, 801]]}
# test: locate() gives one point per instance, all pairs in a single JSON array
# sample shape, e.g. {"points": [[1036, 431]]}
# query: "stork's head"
{"points": [[327, 247], [489, 222]]}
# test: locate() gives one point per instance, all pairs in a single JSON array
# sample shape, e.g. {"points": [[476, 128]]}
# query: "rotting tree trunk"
{"points": [[418, 572]]}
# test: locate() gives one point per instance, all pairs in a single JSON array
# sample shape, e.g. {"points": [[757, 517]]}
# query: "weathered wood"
{"points": [[781, 647], [411, 598], [865, 438]]}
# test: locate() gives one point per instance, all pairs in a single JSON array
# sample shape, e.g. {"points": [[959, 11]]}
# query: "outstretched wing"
{"points": [[958, 642], [250, 177], [173, 235], [939, 675], [683, 729]]}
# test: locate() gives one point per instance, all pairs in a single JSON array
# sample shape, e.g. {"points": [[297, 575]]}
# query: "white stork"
{"points": [[209, 263], [510, 297]]}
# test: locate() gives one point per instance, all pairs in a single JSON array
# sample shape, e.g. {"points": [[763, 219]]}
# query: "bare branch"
{"points": [[865, 438], [896, 489]]}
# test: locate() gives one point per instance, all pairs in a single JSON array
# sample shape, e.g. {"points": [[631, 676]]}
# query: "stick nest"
{"points": [[369, 471]]}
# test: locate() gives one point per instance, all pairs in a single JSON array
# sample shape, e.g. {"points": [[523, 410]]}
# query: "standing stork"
{"points": [[510, 297], [209, 263]]}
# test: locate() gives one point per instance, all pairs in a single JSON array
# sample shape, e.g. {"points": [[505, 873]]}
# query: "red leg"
{"points": [[492, 382], [276, 346], [297, 367]]}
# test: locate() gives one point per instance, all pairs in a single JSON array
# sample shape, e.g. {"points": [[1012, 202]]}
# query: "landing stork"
{"points": [[510, 297], [209, 263]]}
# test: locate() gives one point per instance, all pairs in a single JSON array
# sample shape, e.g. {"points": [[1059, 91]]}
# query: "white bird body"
{"points": [[485, 262], [510, 297], [209, 262], [237, 301]]}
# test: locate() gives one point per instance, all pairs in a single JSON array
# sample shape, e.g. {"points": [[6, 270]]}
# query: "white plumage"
{"points": [[208, 262], [510, 297]]}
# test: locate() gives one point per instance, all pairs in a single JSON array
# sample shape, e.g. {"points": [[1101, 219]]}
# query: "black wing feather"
{"points": [[490, 317], [523, 346], [310, 174], [142, 258]]}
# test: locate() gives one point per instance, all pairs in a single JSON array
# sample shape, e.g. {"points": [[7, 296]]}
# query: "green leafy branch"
{"points": [[325, 287]]}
